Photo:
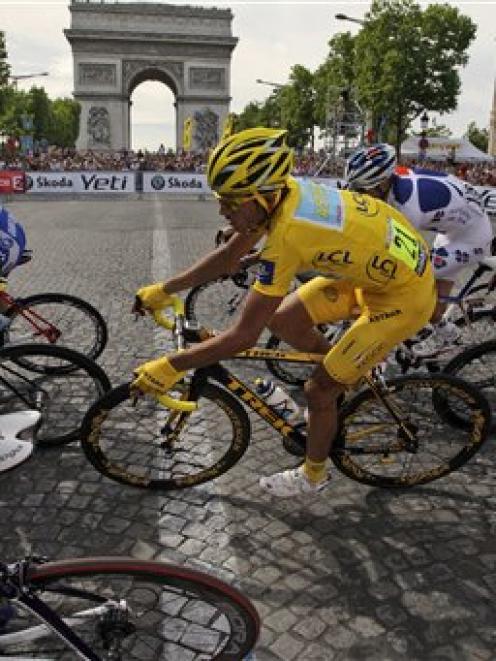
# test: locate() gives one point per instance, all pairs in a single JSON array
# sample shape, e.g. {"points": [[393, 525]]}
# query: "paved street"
{"points": [[357, 573]]}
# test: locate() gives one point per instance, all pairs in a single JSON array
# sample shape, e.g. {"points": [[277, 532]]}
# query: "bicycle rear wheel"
{"points": [[148, 611], [371, 448], [72, 322], [477, 365], [295, 374], [217, 304], [62, 390], [145, 445]]}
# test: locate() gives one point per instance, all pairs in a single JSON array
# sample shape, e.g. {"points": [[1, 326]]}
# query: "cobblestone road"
{"points": [[356, 574]]}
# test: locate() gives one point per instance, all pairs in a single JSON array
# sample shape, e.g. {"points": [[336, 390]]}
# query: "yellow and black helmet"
{"points": [[252, 161]]}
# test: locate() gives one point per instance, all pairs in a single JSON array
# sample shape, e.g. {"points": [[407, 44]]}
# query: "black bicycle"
{"points": [[58, 382], [121, 609], [407, 431]]}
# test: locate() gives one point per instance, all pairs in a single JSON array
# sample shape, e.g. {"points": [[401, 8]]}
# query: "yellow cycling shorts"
{"points": [[383, 320]]}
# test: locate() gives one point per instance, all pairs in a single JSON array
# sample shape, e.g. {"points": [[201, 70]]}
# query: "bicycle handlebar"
{"points": [[176, 325]]}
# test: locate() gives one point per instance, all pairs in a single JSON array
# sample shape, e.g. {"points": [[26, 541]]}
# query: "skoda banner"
{"points": [[175, 182], [80, 182]]}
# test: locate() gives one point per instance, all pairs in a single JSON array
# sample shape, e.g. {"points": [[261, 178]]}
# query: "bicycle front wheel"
{"points": [[62, 389], [58, 319], [372, 448], [125, 609], [142, 444]]}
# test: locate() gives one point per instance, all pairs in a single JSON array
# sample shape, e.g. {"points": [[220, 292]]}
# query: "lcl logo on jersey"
{"points": [[380, 269], [333, 258]]}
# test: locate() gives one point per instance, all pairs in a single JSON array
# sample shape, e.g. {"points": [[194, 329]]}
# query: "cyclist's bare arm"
{"points": [[255, 316], [225, 260]]}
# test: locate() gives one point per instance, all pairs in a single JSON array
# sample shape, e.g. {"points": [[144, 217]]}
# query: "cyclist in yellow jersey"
{"points": [[374, 266]]}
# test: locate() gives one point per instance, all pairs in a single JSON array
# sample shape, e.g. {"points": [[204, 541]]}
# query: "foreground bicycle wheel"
{"points": [[147, 611], [372, 449], [145, 445], [70, 322], [65, 384]]}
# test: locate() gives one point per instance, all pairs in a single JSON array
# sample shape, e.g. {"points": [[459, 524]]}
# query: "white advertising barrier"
{"points": [[175, 182], [80, 182], [158, 182]]}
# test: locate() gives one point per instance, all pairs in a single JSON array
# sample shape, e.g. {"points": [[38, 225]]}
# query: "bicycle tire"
{"points": [[171, 609], [477, 365], [139, 445], [481, 327], [362, 454], [215, 304], [62, 391], [292, 373], [82, 328]]}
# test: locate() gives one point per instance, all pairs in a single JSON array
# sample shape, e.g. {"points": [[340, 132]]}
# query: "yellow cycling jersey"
{"points": [[339, 234]]}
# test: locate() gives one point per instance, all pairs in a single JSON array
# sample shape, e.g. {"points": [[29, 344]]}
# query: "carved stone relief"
{"points": [[91, 73], [206, 129], [98, 126], [131, 67], [207, 78]]}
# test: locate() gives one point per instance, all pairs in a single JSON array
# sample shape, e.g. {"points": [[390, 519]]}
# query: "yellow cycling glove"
{"points": [[153, 297], [156, 377]]}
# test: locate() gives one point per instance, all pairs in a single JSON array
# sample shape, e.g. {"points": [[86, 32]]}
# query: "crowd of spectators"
{"points": [[310, 163]]}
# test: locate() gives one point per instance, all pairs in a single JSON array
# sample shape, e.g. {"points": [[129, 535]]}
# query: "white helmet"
{"points": [[369, 166]]}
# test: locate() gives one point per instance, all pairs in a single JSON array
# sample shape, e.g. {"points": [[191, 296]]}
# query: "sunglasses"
{"points": [[233, 203]]}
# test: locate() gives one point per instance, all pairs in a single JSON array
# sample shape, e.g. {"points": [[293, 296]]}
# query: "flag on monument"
{"points": [[228, 125], [187, 133]]}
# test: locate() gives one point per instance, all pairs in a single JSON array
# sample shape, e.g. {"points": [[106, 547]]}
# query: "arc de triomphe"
{"points": [[116, 47]]}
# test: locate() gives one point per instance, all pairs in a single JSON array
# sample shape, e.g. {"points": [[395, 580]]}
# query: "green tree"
{"points": [[39, 107], [249, 117], [297, 107], [407, 60], [64, 125], [478, 137], [333, 76]]}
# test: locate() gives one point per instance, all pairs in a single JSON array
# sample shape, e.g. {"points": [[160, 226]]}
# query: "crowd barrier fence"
{"points": [[118, 182]]}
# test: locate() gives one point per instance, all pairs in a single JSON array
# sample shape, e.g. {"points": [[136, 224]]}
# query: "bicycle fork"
{"points": [[406, 430]]}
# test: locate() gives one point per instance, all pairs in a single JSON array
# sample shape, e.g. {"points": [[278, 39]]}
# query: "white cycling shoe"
{"points": [[290, 483], [14, 450]]}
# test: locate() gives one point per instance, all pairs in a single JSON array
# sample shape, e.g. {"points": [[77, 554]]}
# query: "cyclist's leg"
{"points": [[386, 319], [317, 301]]}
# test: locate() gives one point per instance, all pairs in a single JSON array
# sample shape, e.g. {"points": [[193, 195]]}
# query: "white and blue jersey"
{"points": [[439, 202], [12, 242]]}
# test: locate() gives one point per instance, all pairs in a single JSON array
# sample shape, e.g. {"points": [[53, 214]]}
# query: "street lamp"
{"points": [[343, 17], [25, 76], [268, 82], [424, 121]]}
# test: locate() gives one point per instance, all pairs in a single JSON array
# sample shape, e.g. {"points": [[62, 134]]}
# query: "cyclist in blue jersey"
{"points": [[435, 202], [13, 250], [12, 243]]}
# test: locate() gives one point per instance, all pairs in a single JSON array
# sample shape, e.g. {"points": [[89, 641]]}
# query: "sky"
{"points": [[273, 36]]}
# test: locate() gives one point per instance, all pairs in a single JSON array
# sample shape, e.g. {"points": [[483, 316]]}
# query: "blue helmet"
{"points": [[369, 166]]}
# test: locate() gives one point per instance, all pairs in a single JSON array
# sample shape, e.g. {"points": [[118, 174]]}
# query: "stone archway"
{"points": [[116, 47]]}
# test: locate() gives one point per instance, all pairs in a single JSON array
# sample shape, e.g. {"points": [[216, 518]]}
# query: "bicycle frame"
{"points": [[39, 323], [26, 600], [246, 395]]}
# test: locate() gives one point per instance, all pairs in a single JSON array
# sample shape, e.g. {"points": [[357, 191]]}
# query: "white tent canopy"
{"points": [[440, 149]]}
